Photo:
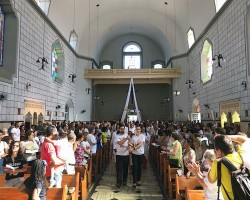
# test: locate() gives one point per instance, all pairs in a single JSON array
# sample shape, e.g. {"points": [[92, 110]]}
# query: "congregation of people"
{"points": [[55, 149]]}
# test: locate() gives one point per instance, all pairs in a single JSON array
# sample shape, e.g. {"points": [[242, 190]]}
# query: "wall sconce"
{"points": [[97, 98], [219, 58], [88, 90], [189, 83], [244, 83], [73, 77], [28, 85], [206, 105], [44, 60], [102, 103], [58, 106], [166, 99], [193, 93], [180, 110], [176, 92], [83, 111], [2, 97]]}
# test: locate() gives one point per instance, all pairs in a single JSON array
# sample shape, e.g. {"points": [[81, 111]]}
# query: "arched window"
{"points": [[132, 56], [73, 39], [158, 64], [206, 62], [44, 5], [219, 4], [106, 65], [57, 63], [190, 37]]}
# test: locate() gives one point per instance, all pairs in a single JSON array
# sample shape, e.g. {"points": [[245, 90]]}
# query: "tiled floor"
{"points": [[106, 189]]}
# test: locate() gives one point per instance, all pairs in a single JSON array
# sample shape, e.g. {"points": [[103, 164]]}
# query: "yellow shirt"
{"points": [[236, 160], [104, 137]]}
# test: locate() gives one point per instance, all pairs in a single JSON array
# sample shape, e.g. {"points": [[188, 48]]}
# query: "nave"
{"points": [[106, 188]]}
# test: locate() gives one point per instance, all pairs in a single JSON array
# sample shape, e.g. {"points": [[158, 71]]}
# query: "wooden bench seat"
{"points": [[14, 194], [72, 181], [2, 178], [181, 183], [194, 194]]}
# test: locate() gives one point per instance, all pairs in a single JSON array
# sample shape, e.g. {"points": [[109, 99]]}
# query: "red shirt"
{"points": [[47, 151]]}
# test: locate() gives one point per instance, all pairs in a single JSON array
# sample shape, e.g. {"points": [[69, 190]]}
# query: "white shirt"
{"points": [[3, 145], [86, 145], [245, 155], [92, 141], [121, 150], [211, 190], [135, 140], [15, 132], [65, 150]]}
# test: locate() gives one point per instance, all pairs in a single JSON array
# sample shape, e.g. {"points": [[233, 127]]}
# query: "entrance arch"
{"points": [[69, 110], [35, 118]]}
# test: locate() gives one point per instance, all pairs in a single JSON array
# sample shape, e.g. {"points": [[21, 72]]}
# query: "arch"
{"points": [[28, 120], [106, 64], [57, 62], [132, 56], [223, 119], [157, 64], [35, 119], [235, 117], [206, 62], [40, 117], [69, 110], [196, 106]]}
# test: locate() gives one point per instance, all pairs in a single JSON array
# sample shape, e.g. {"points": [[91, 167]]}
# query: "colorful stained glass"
{"points": [[54, 64], [1, 34]]}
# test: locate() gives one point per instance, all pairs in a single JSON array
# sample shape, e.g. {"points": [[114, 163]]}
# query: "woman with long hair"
{"points": [[36, 183], [14, 164], [137, 150]]}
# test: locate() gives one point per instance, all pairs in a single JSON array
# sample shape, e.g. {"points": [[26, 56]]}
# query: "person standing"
{"points": [[137, 150], [91, 139], [3, 152], [48, 153], [122, 156], [15, 132]]}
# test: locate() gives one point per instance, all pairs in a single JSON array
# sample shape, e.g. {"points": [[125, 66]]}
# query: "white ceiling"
{"points": [[113, 18]]}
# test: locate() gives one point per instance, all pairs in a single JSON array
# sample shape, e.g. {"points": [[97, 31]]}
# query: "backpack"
{"points": [[240, 179]]}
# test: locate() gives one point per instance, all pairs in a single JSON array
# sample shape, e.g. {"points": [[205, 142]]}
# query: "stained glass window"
{"points": [[54, 64], [1, 35], [206, 62]]}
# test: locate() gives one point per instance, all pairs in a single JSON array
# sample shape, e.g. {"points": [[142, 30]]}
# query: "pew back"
{"points": [[194, 194], [181, 183]]}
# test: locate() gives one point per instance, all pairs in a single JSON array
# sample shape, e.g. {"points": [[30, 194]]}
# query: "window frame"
{"points": [[132, 54]]}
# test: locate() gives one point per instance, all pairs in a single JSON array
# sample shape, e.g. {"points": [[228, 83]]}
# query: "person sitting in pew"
{"points": [[14, 164], [210, 189]]}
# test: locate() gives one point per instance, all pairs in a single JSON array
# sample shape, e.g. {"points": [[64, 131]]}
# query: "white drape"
{"points": [[131, 86]]}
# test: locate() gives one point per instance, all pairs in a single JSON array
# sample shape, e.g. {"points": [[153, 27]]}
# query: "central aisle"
{"points": [[106, 189]]}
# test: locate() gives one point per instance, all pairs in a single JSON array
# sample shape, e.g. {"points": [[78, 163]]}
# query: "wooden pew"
{"points": [[171, 181], [72, 181], [84, 185], [89, 173], [194, 194], [58, 193], [14, 194], [2, 178], [165, 174], [181, 183]]}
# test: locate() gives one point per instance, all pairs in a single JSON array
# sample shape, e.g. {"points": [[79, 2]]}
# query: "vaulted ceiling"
{"points": [[166, 25]]}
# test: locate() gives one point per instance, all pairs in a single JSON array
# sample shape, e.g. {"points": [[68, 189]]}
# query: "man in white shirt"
{"points": [[91, 139], [122, 156], [15, 132]]}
